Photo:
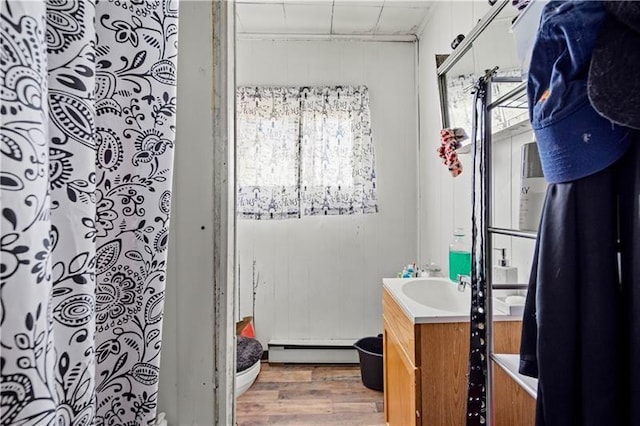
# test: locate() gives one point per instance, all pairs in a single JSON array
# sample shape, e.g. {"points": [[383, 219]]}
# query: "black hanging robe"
{"points": [[581, 327]]}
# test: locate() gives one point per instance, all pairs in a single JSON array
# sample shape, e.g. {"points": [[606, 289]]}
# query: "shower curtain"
{"points": [[88, 113]]}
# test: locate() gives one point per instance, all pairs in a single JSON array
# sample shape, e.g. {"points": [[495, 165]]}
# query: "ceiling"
{"points": [[331, 17]]}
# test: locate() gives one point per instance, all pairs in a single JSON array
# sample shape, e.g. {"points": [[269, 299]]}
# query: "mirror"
{"points": [[493, 47]]}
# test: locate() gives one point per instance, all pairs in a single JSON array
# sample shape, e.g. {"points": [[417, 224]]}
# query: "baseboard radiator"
{"points": [[313, 351]]}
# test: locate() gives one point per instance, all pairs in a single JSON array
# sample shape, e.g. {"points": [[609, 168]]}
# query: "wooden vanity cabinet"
{"points": [[513, 406], [401, 375], [425, 367]]}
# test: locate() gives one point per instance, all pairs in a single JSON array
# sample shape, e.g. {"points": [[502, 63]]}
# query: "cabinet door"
{"points": [[401, 386], [512, 405]]}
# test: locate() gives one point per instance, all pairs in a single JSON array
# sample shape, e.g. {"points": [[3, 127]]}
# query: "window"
{"points": [[304, 152]]}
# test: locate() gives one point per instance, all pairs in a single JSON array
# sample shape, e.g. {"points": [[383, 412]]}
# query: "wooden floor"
{"points": [[309, 395]]}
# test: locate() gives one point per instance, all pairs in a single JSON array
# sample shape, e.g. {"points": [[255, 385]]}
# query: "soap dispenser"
{"points": [[459, 256], [503, 273]]}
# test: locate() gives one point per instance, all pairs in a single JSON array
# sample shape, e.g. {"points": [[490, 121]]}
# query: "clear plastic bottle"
{"points": [[459, 256]]}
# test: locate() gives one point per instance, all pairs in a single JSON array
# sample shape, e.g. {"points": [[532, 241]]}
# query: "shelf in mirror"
{"points": [[511, 95], [510, 110], [517, 128]]}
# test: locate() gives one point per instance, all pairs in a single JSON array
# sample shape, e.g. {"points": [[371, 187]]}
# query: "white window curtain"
{"points": [[305, 152], [336, 150], [268, 152]]}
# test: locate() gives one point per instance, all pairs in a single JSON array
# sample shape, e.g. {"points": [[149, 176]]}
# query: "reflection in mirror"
{"points": [[459, 104], [512, 113], [494, 47]]}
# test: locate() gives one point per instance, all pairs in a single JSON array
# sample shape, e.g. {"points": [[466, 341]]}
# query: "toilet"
{"points": [[245, 379], [248, 355]]}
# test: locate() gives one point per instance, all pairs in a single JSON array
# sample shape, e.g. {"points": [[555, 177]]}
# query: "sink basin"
{"points": [[437, 300], [438, 293]]}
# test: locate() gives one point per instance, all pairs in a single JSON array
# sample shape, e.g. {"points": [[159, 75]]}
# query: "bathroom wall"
{"points": [[187, 369], [445, 202], [506, 177], [319, 278]]}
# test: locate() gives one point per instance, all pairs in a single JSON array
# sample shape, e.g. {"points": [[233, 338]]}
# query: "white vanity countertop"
{"points": [[443, 293]]}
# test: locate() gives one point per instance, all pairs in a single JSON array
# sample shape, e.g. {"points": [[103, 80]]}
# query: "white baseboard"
{"points": [[313, 351]]}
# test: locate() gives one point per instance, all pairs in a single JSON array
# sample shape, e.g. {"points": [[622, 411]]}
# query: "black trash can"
{"points": [[371, 366]]}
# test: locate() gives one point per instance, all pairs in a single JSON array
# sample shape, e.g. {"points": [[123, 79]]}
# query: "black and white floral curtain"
{"points": [[87, 132], [304, 152]]}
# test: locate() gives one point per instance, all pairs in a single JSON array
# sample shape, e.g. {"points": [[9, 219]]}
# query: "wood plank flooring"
{"points": [[314, 395]]}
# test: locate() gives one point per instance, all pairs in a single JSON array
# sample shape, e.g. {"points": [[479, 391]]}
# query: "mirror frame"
{"points": [[458, 53]]}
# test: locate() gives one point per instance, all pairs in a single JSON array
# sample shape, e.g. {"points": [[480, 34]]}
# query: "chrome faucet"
{"points": [[463, 282]]}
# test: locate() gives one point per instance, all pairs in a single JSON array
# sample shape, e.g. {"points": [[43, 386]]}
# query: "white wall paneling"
{"points": [[320, 277], [224, 251], [506, 170], [187, 389], [445, 201], [197, 367]]}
